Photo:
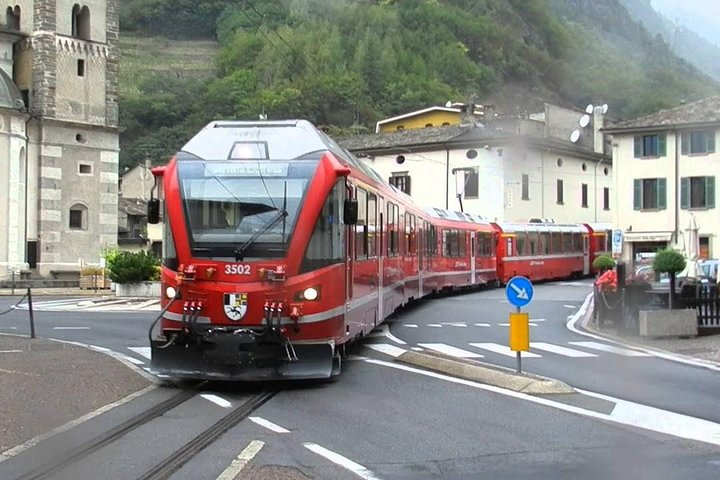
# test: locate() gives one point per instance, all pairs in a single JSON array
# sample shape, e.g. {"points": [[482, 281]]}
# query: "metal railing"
{"points": [[31, 313]]}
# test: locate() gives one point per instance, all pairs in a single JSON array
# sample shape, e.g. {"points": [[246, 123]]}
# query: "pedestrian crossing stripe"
{"points": [[503, 350], [610, 348], [568, 352], [450, 350]]}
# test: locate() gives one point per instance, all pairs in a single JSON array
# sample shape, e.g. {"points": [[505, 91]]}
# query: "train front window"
{"points": [[243, 210]]}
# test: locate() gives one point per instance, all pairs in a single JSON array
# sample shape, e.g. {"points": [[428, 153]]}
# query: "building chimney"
{"points": [[597, 125]]}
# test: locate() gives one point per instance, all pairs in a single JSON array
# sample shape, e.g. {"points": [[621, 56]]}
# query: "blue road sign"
{"points": [[519, 291]]}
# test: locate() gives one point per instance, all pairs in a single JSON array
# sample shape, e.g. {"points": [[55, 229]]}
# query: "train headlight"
{"points": [[311, 294], [170, 292]]}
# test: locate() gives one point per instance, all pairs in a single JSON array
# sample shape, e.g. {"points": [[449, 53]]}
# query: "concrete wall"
{"points": [[26, 13], [81, 98], [137, 183]]}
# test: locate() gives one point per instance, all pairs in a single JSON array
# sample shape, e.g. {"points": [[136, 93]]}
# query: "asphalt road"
{"points": [[388, 422]]}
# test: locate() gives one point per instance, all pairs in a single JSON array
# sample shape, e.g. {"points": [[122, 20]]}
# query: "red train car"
{"points": [[542, 251], [280, 248], [600, 241]]}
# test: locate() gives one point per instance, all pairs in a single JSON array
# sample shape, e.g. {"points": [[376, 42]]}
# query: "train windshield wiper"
{"points": [[240, 251]]}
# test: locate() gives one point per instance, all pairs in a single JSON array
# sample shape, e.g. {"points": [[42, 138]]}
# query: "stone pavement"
{"points": [[45, 384]]}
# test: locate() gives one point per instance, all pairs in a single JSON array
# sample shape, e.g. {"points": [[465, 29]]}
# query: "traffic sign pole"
{"points": [[519, 352], [519, 292]]}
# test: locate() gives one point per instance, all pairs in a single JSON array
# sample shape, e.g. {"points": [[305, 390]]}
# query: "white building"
{"points": [[665, 169], [514, 170]]}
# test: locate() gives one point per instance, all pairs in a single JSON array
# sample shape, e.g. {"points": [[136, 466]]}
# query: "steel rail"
{"points": [[112, 435], [174, 462]]}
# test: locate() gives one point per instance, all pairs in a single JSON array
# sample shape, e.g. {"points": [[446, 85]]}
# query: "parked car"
{"points": [[709, 270]]}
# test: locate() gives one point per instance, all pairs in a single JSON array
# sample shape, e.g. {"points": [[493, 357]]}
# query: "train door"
{"points": [[472, 257], [586, 255], [420, 248], [350, 236], [380, 257]]}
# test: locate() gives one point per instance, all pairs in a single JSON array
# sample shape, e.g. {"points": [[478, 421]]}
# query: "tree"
{"points": [[671, 262], [603, 263]]}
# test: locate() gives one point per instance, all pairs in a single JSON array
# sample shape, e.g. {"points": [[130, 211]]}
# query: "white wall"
{"points": [[500, 183]]}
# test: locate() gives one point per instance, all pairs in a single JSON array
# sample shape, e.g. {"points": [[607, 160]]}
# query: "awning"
{"points": [[647, 236]]}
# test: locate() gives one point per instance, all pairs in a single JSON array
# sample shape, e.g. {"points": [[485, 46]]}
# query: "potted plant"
{"points": [[603, 263], [135, 273], [671, 262]]}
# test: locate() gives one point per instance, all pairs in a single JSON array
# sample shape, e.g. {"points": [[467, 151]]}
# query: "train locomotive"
{"points": [[280, 248]]}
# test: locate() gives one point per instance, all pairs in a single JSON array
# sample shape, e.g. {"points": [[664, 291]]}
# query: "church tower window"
{"points": [[81, 22], [12, 18]]}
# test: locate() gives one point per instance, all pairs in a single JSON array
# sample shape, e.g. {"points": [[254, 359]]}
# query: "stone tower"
{"points": [[65, 57]]}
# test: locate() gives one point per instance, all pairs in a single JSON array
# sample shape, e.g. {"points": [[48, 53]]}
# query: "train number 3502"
{"points": [[238, 269]]}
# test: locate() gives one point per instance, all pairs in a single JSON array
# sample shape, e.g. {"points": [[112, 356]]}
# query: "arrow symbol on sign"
{"points": [[521, 292]]}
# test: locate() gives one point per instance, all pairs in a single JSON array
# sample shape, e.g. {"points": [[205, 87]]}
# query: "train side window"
{"points": [[567, 243], [326, 244], [544, 243], [578, 242], [390, 229], [509, 247], [373, 229], [556, 242], [361, 229], [480, 245], [433, 241], [462, 240], [532, 243], [520, 244], [447, 247]]}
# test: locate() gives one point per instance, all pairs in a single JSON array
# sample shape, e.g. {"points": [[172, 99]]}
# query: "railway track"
{"points": [[172, 463]]}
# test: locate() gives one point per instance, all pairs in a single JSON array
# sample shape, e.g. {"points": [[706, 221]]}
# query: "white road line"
{"points": [[11, 351], [71, 328], [216, 400], [434, 325], [503, 350], [417, 349], [569, 306], [269, 425], [345, 463], [387, 349], [537, 319], [450, 350], [507, 324], [568, 352], [99, 349], [410, 325], [131, 359], [609, 348], [144, 351], [625, 413], [8, 328], [237, 465], [482, 324]]}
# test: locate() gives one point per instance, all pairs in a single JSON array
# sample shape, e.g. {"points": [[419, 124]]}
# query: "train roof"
{"points": [[512, 227], [456, 216]]}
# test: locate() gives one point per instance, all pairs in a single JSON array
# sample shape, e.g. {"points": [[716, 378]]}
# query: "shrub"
{"points": [[603, 263], [129, 267], [669, 261]]}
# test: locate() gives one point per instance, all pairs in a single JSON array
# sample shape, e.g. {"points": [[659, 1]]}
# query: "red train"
{"points": [[280, 248]]}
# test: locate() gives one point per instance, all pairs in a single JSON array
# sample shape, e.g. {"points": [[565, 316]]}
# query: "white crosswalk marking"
{"points": [[386, 348], [434, 325], [609, 348], [503, 350], [482, 324], [143, 351], [568, 352], [450, 350]]}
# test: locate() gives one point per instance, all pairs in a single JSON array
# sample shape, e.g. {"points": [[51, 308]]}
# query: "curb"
{"points": [[580, 323], [484, 373]]}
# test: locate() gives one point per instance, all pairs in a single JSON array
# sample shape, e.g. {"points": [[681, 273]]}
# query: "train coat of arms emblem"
{"points": [[235, 305]]}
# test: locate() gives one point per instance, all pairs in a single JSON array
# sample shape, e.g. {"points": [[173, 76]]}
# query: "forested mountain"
{"points": [[687, 44], [345, 64]]}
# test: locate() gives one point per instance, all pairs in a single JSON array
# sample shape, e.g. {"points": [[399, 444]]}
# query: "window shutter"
{"points": [[638, 146], [710, 192], [407, 185], [662, 145], [637, 198], [685, 192], [685, 148], [711, 141], [662, 193]]}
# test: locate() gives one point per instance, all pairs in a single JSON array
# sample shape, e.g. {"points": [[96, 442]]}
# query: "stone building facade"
{"points": [[64, 63]]}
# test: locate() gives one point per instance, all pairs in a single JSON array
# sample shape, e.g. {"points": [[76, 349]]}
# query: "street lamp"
{"points": [[461, 180]]}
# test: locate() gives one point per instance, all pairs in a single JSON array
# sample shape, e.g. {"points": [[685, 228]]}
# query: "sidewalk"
{"points": [[46, 384], [705, 348], [55, 292]]}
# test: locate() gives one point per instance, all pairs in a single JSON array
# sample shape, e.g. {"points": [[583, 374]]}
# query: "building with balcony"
{"points": [[666, 165]]}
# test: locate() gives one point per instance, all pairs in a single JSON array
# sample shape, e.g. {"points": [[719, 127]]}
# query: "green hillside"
{"points": [[345, 64]]}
